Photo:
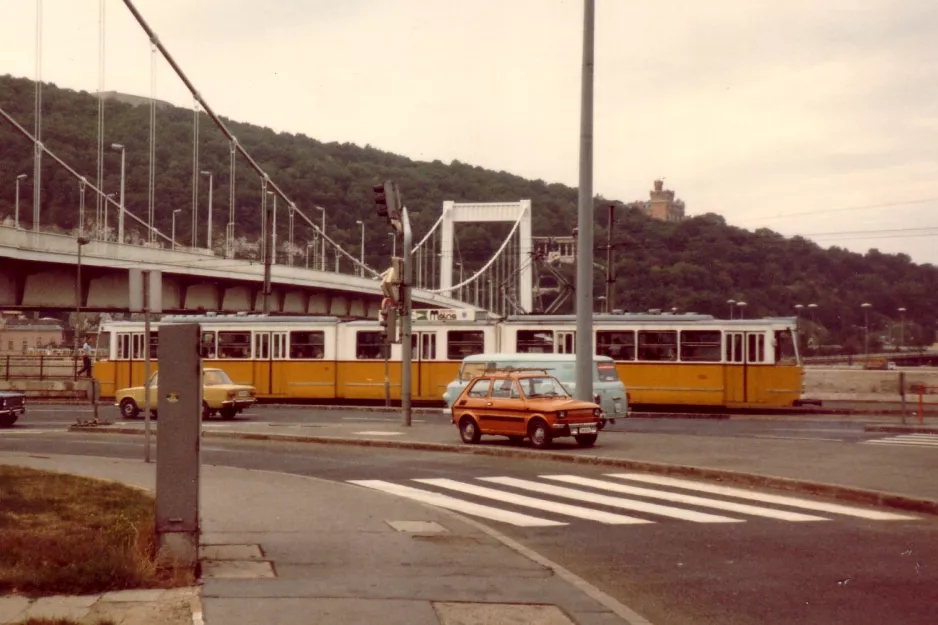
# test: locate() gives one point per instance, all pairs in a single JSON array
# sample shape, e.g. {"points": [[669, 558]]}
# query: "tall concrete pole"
{"points": [[584, 269], [610, 276], [406, 346]]}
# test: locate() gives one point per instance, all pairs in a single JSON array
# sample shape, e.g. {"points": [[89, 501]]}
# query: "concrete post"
{"points": [[178, 444]]}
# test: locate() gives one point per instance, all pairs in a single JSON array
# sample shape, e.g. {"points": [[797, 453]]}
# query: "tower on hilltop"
{"points": [[662, 205]]}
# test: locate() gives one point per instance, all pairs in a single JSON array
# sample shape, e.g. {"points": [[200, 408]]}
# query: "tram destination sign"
{"points": [[443, 314]]}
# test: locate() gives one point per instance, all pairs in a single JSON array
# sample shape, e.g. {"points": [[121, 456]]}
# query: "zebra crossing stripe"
{"points": [[782, 515], [911, 440], [614, 502], [541, 504], [444, 501], [794, 502]]}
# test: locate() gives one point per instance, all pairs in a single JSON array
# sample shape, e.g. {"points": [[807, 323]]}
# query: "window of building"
{"points": [[369, 345], [616, 345], [534, 342], [307, 345], [462, 343], [700, 345], [234, 344], [657, 345], [480, 389]]}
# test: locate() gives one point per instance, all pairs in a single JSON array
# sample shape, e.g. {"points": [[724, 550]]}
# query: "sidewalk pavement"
{"points": [[899, 476], [283, 549]]}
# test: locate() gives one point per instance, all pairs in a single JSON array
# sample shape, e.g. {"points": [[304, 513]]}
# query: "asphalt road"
{"points": [[703, 560], [819, 427]]}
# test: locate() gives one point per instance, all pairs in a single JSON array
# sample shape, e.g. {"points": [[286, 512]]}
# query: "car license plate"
{"points": [[618, 407], [242, 393], [584, 429]]}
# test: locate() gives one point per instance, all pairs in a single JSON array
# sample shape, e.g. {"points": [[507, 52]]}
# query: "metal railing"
{"points": [[41, 367]]}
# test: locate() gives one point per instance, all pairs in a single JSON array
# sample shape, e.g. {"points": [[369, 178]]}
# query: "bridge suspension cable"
{"points": [[224, 129]]}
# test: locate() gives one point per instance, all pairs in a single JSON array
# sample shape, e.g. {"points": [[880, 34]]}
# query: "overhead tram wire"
{"points": [[224, 129]]}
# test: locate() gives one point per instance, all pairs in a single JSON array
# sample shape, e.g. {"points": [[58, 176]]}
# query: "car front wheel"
{"points": [[129, 409], [540, 434], [469, 431]]}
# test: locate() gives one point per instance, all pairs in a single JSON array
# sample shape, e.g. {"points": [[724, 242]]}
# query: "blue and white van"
{"points": [[608, 390]]}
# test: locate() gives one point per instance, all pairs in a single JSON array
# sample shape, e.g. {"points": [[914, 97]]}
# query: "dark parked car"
{"points": [[12, 405]]}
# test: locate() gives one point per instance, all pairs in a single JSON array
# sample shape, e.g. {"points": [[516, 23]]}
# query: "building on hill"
{"points": [[662, 205], [20, 335]]}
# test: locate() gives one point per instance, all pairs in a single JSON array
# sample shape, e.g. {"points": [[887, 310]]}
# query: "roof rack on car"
{"points": [[517, 369]]}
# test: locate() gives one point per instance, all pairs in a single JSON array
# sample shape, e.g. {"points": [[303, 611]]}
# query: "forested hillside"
{"points": [[696, 265]]}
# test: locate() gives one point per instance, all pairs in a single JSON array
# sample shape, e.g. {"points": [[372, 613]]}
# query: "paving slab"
{"points": [[234, 569], [231, 552], [499, 614], [63, 607], [321, 611], [12, 608], [128, 596]]}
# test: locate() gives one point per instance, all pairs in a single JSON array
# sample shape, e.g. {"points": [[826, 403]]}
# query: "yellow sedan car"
{"points": [[219, 395]]}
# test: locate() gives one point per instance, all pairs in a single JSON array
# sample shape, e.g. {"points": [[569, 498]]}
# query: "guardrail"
{"points": [[41, 367]]}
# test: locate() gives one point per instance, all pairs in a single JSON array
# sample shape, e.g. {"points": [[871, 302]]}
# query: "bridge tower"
{"points": [[489, 212]]}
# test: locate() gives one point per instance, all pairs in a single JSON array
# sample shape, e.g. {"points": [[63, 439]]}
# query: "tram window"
{"points": [[462, 343], [660, 345], [785, 348], [154, 344], [700, 345], [368, 345], [307, 345], [234, 344], [123, 346], [535, 342], [616, 345], [207, 347], [102, 350], [756, 348], [427, 348], [138, 347]]}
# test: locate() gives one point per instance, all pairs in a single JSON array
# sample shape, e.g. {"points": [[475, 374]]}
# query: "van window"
{"points": [[462, 343], [607, 372], [616, 345], [535, 342], [473, 369]]}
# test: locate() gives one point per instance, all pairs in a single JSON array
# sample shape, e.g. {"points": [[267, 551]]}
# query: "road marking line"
{"points": [[764, 497], [900, 443], [450, 503], [22, 431], [379, 433], [781, 515], [531, 502], [798, 438], [614, 502]]}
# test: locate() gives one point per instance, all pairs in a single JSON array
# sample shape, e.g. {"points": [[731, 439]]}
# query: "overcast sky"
{"points": [[808, 117]]}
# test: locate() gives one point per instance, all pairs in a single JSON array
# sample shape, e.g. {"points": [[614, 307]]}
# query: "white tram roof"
{"points": [[531, 357]]}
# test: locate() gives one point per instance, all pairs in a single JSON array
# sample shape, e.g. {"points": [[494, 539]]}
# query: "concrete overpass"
{"points": [[38, 271]]}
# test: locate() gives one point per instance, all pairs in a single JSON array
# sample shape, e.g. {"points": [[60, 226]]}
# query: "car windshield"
{"points": [[542, 386], [214, 378]]}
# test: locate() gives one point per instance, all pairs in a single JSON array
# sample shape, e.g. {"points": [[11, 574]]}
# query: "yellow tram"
{"points": [[676, 360]]}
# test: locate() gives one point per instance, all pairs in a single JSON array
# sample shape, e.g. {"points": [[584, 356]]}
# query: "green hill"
{"points": [[695, 265]]}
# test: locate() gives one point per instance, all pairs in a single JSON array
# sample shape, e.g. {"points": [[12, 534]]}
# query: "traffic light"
{"points": [[387, 319], [391, 284], [388, 202]]}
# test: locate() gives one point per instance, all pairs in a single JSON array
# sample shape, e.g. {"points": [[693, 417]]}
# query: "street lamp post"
{"points": [[173, 239], [16, 218], [120, 210], [361, 267], [323, 233], [107, 202], [309, 244], [731, 303], [742, 309], [273, 232], [82, 241], [290, 214], [866, 328], [210, 189], [901, 328]]}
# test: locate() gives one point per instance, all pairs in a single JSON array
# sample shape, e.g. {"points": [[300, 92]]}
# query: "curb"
{"points": [[844, 493]]}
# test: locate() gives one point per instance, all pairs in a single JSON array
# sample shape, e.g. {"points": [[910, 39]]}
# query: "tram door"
{"points": [[269, 347], [424, 353], [744, 351], [564, 342]]}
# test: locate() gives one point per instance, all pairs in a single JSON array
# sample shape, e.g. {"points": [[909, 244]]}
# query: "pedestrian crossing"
{"points": [[907, 440], [615, 499]]}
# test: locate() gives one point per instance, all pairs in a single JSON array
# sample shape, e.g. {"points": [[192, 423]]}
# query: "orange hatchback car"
{"points": [[523, 404]]}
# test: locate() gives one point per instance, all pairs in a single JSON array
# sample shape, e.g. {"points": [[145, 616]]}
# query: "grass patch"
{"points": [[63, 534]]}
